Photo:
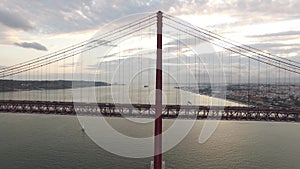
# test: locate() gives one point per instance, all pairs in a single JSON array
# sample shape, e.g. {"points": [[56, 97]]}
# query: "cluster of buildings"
{"points": [[286, 96]]}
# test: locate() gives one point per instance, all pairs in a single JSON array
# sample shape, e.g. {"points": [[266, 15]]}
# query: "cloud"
{"points": [[2, 67], [14, 21], [272, 45], [285, 51], [65, 16], [32, 45], [61, 16], [65, 65], [286, 33]]}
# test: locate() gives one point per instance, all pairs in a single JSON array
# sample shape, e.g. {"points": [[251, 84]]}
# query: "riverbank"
{"points": [[21, 85]]}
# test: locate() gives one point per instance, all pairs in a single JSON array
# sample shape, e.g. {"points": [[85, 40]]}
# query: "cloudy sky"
{"points": [[32, 28]]}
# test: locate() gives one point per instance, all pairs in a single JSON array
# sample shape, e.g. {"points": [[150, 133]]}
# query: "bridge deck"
{"points": [[148, 111]]}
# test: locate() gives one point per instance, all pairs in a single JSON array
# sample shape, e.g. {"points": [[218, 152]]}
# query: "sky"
{"points": [[32, 28]]}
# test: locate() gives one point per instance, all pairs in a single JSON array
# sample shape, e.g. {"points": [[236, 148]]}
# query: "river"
{"points": [[55, 141]]}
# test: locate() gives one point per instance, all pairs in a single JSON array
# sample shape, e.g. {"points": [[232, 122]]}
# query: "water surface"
{"points": [[54, 141]]}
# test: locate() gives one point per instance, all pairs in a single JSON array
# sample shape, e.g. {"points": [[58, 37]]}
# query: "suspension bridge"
{"points": [[157, 66], [258, 85]]}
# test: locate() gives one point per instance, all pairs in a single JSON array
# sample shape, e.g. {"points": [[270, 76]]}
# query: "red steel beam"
{"points": [[158, 98]]}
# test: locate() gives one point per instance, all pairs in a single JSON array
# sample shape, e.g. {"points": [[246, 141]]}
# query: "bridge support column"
{"points": [[158, 98]]}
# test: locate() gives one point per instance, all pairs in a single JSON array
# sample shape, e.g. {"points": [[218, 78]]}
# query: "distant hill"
{"points": [[16, 85]]}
